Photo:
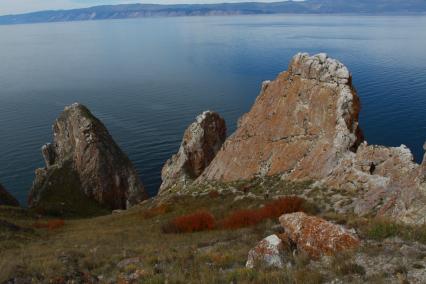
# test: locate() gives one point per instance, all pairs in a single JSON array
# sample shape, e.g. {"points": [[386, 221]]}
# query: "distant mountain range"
{"points": [[126, 11]]}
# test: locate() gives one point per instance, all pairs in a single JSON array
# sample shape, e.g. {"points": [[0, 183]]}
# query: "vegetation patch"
{"points": [[50, 224], [244, 218], [196, 222]]}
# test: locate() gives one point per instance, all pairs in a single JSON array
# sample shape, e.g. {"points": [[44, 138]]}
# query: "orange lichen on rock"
{"points": [[316, 236]]}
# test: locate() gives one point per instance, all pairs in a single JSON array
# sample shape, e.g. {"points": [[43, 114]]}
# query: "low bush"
{"points": [[51, 224], [196, 222], [271, 210], [242, 218], [203, 220], [382, 229], [282, 206]]}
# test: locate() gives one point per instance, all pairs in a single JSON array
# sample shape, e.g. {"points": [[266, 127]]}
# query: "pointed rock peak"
{"points": [[200, 143], [84, 163], [304, 126], [319, 67], [300, 125], [6, 198]]}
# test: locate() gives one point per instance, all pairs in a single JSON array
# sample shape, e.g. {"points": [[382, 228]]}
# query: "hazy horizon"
{"points": [[9, 7]]}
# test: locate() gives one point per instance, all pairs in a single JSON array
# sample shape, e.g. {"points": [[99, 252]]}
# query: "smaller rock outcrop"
{"points": [[316, 236], [201, 141], [6, 198], [268, 252], [85, 169]]}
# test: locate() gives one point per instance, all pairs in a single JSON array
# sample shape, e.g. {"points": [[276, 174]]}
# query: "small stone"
{"points": [[268, 252]]}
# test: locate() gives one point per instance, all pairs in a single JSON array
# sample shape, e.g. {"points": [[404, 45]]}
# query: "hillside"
{"points": [[128, 11], [134, 246], [294, 195]]}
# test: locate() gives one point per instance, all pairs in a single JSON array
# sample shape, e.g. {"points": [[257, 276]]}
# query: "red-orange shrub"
{"points": [[51, 224], [282, 206], [241, 218], [274, 209], [198, 221]]}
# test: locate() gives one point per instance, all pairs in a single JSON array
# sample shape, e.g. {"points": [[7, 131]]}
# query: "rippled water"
{"points": [[147, 79]]}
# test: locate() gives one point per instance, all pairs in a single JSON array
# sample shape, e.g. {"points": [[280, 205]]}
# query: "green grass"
{"points": [[379, 228]]}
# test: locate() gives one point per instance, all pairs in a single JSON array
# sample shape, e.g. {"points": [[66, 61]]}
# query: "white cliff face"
{"points": [[319, 67], [201, 141]]}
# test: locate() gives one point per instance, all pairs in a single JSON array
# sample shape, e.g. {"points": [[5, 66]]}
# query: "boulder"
{"points": [[201, 141], [316, 236], [6, 198], [85, 169], [268, 252], [304, 126]]}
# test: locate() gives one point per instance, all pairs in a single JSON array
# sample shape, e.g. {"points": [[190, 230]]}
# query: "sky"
{"points": [[24, 6]]}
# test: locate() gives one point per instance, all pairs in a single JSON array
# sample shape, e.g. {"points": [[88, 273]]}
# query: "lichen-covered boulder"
{"points": [[268, 253], [316, 236], [6, 198], [85, 169], [201, 141]]}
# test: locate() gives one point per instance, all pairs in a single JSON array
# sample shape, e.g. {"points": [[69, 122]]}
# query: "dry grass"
{"points": [[95, 246], [379, 228], [87, 249]]}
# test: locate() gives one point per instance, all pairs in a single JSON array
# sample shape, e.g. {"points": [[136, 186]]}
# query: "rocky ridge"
{"points": [[201, 141], [304, 126], [84, 167], [300, 125]]}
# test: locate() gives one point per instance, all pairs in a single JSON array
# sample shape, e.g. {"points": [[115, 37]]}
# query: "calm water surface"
{"points": [[147, 79]]}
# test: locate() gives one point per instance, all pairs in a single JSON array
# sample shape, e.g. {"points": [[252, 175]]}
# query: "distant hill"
{"points": [[127, 11]]}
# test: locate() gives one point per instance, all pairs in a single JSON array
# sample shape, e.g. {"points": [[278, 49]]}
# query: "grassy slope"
{"points": [[95, 246]]}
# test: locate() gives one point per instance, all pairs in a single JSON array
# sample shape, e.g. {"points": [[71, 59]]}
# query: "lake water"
{"points": [[147, 79]]}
